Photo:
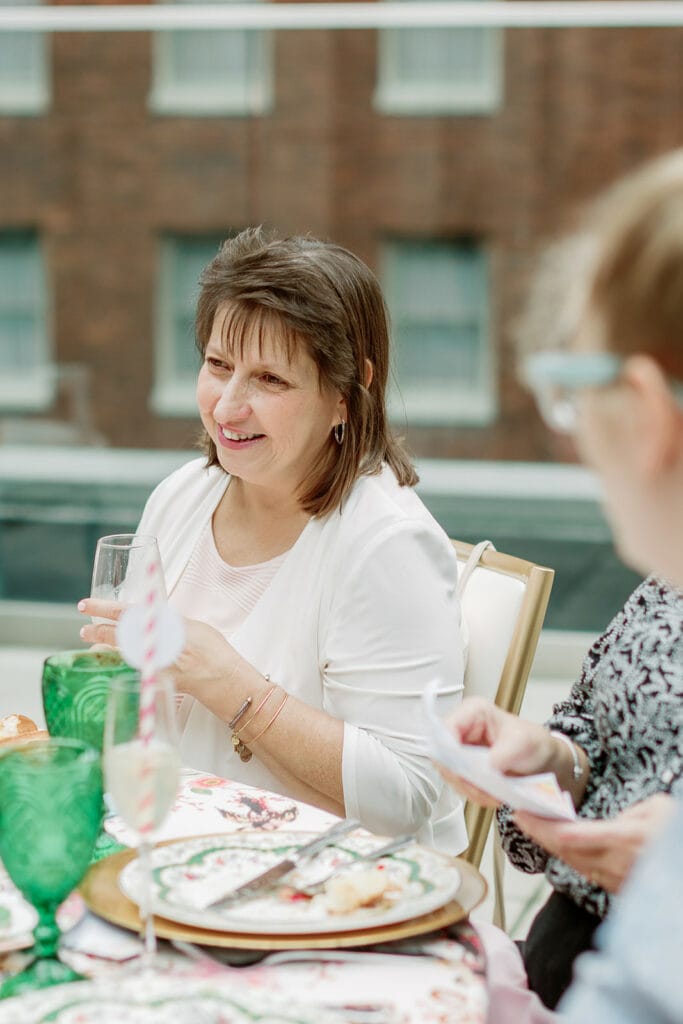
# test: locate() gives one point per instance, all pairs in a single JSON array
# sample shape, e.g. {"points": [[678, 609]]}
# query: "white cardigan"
{"points": [[361, 614]]}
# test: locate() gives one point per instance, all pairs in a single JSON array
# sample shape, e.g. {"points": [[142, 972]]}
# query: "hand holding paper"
{"points": [[537, 793]]}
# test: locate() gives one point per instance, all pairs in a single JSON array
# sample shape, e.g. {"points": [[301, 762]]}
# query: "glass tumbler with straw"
{"points": [[75, 687], [142, 767], [50, 809]]}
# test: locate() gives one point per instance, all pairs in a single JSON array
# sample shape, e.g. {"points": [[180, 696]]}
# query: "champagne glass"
{"points": [[75, 687], [141, 774], [121, 566], [50, 808]]}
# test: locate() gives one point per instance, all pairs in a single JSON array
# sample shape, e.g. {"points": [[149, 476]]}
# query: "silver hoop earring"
{"points": [[339, 432]]}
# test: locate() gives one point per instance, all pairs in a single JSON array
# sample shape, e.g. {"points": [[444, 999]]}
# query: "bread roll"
{"points": [[15, 728]]}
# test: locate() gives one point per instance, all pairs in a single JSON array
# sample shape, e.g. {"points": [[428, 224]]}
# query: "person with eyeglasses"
{"points": [[613, 380]]}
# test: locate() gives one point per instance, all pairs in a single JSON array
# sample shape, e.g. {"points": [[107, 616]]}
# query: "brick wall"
{"points": [[102, 177]]}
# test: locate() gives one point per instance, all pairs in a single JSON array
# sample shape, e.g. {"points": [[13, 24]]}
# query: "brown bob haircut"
{"points": [[320, 296]]}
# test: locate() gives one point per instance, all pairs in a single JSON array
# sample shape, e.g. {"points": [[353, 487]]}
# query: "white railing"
{"points": [[532, 480], [422, 14]]}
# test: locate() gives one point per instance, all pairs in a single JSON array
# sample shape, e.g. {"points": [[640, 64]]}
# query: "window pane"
{"points": [[450, 55], [190, 257], [425, 71], [23, 71], [22, 303], [212, 72], [210, 57], [432, 352], [438, 298]]}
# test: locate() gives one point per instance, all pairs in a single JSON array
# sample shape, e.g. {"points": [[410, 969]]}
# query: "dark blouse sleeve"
{"points": [[574, 717]]}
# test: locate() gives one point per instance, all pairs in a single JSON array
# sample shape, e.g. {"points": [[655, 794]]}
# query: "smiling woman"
{"points": [[319, 592], [265, 402]]}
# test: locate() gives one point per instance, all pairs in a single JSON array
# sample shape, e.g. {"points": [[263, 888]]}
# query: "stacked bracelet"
{"points": [[238, 744]]}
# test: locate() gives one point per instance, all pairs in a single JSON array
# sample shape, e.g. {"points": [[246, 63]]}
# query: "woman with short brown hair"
{"points": [[320, 592]]}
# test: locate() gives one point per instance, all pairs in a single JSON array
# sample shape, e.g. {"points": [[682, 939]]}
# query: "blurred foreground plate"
{"points": [[157, 997]]}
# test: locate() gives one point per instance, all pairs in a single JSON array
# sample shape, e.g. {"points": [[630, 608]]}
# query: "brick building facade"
{"points": [[103, 181]]}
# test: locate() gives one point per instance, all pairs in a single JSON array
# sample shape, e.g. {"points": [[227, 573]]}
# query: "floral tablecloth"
{"points": [[437, 978]]}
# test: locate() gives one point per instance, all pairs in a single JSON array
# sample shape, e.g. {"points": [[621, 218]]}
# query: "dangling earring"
{"points": [[339, 432]]}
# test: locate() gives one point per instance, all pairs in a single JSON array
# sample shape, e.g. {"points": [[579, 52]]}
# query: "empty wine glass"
{"points": [[50, 808], [75, 688], [121, 567], [141, 774]]}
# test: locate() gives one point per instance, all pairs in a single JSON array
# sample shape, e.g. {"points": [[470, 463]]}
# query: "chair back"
{"points": [[504, 602]]}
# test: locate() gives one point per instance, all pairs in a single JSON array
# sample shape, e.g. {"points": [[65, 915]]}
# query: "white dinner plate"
{"points": [[189, 873]]}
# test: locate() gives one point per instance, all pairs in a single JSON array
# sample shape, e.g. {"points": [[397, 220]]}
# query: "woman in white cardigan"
{"points": [[319, 591]]}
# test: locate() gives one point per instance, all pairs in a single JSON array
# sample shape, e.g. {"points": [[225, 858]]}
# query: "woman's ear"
{"points": [[657, 425], [369, 373]]}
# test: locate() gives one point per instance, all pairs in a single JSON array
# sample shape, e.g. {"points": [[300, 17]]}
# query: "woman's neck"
{"points": [[252, 525]]}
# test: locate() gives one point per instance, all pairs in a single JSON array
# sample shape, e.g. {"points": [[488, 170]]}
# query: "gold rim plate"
{"points": [[101, 892]]}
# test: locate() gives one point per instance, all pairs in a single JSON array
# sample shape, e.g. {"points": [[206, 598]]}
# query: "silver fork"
{"points": [[382, 851]]}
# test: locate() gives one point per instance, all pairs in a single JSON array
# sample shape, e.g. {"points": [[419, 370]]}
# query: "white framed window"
{"points": [[207, 73], [24, 70], [432, 71], [438, 298], [27, 380], [181, 260]]}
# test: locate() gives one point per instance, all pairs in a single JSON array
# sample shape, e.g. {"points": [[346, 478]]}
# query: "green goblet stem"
{"points": [[46, 933]]}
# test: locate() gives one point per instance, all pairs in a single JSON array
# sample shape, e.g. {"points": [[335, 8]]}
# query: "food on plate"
{"points": [[347, 892], [19, 727]]}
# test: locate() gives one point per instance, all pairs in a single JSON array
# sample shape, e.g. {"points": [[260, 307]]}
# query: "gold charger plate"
{"points": [[100, 890]]}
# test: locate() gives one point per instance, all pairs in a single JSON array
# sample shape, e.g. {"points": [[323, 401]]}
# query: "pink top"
{"points": [[219, 594]]}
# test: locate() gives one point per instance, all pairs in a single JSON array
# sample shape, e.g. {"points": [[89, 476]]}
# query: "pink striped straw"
{"points": [[148, 680]]}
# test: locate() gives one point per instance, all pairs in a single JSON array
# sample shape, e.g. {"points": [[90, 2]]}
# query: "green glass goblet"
{"points": [[50, 808], [75, 691]]}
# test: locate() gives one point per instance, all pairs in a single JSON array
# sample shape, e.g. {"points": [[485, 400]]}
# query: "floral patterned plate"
{"points": [[190, 873]]}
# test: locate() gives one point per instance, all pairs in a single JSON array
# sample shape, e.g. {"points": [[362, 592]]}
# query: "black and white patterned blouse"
{"points": [[626, 711]]}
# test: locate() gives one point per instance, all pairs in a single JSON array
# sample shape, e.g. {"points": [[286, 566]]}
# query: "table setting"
{"points": [[184, 896]]}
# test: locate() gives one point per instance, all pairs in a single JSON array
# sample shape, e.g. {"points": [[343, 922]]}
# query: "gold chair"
{"points": [[504, 601]]}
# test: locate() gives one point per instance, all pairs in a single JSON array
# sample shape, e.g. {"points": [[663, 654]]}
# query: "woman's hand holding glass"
{"points": [[204, 667]]}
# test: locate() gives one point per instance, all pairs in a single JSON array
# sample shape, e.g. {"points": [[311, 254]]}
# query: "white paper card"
{"points": [[539, 794]]}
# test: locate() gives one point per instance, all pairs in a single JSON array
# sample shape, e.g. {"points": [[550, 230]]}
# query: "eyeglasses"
{"points": [[555, 378]]}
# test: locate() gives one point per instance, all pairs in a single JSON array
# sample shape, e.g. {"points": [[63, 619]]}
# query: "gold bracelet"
{"points": [[267, 727], [238, 745], [259, 707]]}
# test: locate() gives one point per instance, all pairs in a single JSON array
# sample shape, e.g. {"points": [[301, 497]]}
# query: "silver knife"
{"points": [[269, 879], [350, 865]]}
